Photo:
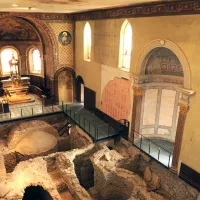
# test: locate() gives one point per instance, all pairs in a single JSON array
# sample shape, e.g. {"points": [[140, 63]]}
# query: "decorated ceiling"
{"points": [[16, 29], [66, 6]]}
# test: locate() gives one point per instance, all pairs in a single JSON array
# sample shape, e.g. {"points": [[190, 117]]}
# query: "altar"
{"points": [[24, 81], [16, 87]]}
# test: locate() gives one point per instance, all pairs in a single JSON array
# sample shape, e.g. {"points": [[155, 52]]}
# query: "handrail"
{"points": [[152, 142], [30, 111], [87, 124], [165, 162]]}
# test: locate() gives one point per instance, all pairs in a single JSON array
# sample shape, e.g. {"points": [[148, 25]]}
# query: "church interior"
{"points": [[99, 100]]}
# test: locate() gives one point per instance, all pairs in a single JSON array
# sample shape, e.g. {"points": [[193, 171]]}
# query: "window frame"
{"points": [[30, 61], [18, 57], [87, 42], [125, 25]]}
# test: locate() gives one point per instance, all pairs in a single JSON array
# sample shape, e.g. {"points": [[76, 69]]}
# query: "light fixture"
{"points": [[14, 5]]}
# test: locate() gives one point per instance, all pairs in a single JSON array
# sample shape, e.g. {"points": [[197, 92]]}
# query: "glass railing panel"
{"points": [[154, 150], [15, 113], [4, 116], [165, 157], [38, 110], [26, 112]]}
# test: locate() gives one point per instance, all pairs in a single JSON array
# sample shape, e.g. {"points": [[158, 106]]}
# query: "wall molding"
{"points": [[140, 10], [39, 16]]}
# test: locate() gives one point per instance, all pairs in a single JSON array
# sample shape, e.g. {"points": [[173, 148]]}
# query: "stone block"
{"points": [[147, 174], [10, 162], [2, 167]]}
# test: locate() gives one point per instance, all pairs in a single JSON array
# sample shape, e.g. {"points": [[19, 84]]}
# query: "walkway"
{"points": [[94, 126]]}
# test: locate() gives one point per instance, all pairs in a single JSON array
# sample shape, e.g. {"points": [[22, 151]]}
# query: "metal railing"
{"points": [[94, 127], [30, 110], [152, 149]]}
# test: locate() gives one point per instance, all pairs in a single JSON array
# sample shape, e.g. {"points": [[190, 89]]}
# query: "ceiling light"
{"points": [[14, 5]]}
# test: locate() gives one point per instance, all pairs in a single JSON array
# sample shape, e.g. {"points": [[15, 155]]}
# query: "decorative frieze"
{"points": [[142, 10]]}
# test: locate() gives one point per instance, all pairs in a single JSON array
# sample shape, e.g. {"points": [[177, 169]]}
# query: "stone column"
{"points": [[137, 108], [179, 136]]}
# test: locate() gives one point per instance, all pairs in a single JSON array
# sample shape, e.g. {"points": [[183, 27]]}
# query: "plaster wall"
{"points": [[181, 30]]}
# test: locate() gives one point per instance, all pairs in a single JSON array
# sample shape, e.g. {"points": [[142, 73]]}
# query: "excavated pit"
{"points": [[32, 139], [80, 170], [84, 169]]}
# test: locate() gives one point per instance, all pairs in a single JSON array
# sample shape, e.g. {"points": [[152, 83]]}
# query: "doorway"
{"points": [[80, 89]]}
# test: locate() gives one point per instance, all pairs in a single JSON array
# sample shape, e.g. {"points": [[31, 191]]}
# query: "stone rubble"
{"points": [[118, 171]]}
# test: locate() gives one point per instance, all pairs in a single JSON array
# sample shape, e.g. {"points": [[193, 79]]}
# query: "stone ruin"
{"points": [[71, 167]]}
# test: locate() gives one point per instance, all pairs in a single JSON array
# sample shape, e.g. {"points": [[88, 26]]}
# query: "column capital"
{"points": [[138, 91], [183, 108]]}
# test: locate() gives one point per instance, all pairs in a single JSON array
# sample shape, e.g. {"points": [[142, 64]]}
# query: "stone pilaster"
{"points": [[137, 108], [179, 135]]}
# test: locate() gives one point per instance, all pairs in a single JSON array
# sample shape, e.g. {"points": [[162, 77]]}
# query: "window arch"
{"points": [[87, 42], [35, 63], [125, 46], [6, 55]]}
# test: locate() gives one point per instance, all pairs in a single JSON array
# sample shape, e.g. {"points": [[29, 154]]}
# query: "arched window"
{"points": [[125, 46], [87, 42], [35, 61], [6, 56]]}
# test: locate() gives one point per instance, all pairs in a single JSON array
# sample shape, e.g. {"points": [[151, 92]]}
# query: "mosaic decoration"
{"points": [[116, 100], [65, 52], [64, 38], [15, 29], [164, 62]]}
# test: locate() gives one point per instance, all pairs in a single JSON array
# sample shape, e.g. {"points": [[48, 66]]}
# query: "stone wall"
{"points": [[6, 127]]}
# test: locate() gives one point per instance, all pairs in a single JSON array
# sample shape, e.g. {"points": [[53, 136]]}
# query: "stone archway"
{"points": [[177, 83], [36, 192], [64, 79]]}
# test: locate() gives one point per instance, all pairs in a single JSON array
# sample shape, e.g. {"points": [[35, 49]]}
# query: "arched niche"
{"points": [[161, 93], [64, 79], [36, 192], [148, 50]]}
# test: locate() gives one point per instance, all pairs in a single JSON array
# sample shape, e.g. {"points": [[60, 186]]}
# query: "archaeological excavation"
{"points": [[37, 163]]}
